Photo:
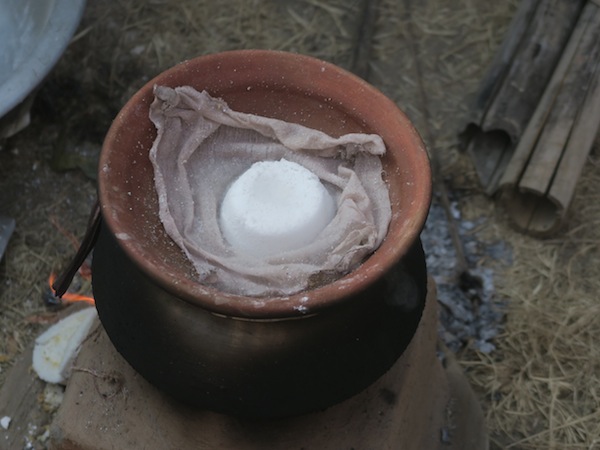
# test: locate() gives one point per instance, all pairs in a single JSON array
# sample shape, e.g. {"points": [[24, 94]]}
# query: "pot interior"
{"points": [[281, 85]]}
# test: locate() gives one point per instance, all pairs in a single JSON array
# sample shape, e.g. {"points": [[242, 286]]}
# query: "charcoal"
{"points": [[471, 312]]}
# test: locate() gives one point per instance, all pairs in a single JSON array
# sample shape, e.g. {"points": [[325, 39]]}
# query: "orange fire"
{"points": [[69, 297]]}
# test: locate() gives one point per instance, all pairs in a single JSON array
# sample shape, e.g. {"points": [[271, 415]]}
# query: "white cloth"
{"points": [[202, 146]]}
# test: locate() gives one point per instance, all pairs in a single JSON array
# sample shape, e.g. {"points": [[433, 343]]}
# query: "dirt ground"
{"points": [[540, 388]]}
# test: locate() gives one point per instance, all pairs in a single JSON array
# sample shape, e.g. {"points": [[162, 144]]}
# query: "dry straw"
{"points": [[541, 388]]}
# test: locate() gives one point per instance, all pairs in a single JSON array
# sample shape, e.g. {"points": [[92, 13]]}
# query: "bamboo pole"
{"points": [[538, 111], [515, 83], [579, 145], [538, 184]]}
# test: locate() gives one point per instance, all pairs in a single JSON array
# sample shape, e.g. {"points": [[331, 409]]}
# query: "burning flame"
{"points": [[69, 297]]}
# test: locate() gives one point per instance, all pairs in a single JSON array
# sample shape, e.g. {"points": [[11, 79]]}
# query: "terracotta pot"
{"points": [[235, 354]]}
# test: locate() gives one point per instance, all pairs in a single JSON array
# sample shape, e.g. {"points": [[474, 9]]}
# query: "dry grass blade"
{"points": [[541, 388]]}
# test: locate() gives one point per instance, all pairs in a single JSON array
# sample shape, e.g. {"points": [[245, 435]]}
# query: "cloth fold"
{"points": [[202, 146]]}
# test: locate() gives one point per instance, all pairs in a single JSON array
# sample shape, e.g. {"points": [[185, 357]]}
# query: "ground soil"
{"points": [[539, 389]]}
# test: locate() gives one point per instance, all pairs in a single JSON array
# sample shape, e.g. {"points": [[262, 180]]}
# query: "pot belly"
{"points": [[256, 368]]}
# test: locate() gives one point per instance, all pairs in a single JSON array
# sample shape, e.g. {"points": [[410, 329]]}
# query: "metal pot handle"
{"points": [[62, 283]]}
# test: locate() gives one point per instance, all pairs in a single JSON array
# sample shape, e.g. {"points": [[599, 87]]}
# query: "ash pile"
{"points": [[471, 312]]}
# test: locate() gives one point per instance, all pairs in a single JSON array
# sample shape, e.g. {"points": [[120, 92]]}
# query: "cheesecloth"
{"points": [[202, 146]]}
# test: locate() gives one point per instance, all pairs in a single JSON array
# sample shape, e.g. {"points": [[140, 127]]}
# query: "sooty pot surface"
{"points": [[253, 367]]}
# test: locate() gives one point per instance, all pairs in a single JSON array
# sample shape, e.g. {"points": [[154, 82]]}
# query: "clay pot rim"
{"points": [[304, 303]]}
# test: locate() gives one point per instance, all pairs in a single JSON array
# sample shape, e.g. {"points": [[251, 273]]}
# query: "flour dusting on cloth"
{"points": [[202, 146]]}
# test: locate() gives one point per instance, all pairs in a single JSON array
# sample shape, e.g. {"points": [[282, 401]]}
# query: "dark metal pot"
{"points": [[259, 357]]}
